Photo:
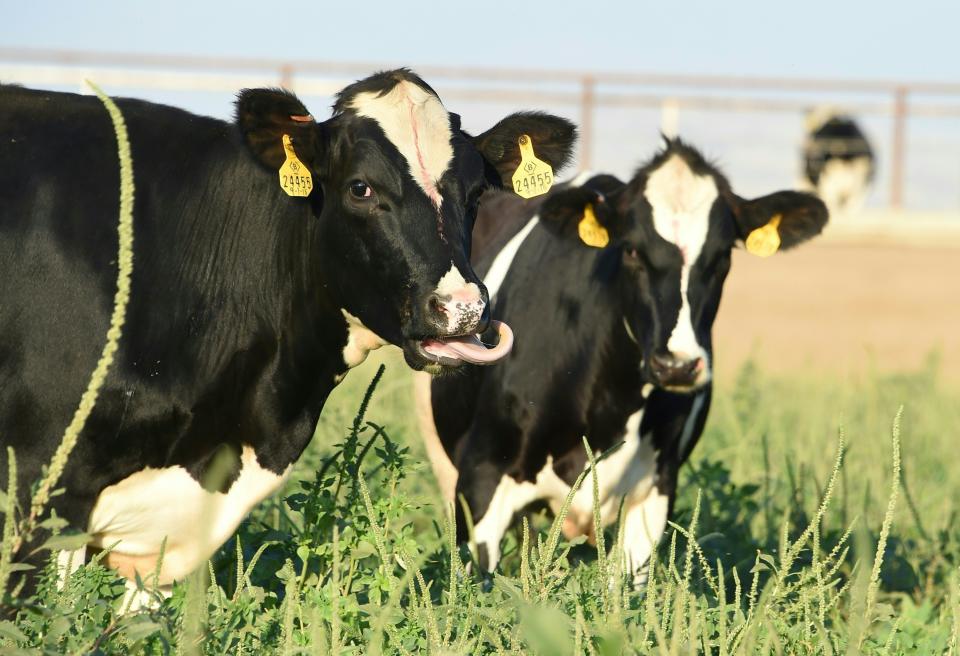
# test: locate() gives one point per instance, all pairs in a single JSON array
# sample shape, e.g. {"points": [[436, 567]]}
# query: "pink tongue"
{"points": [[469, 348]]}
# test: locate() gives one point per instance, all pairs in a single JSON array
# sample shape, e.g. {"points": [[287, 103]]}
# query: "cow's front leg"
{"points": [[493, 497], [644, 523]]}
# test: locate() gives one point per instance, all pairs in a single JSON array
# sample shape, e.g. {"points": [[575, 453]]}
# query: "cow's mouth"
{"points": [[438, 353]]}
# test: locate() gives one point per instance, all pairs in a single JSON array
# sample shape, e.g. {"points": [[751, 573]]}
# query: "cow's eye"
{"points": [[360, 189]]}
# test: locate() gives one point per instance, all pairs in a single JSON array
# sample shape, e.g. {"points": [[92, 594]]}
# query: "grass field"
{"points": [[776, 548]]}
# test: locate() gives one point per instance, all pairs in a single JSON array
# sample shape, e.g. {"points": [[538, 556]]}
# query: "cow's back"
{"points": [[502, 215]]}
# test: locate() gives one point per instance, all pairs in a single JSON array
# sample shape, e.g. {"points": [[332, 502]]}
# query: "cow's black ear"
{"points": [[584, 215], [782, 219], [553, 141], [265, 115]]}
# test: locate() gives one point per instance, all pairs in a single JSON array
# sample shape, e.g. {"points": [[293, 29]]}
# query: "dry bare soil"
{"points": [[833, 305]]}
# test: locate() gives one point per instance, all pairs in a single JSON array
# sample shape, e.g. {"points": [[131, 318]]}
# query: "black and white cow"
{"points": [[248, 306], [839, 164], [613, 342]]}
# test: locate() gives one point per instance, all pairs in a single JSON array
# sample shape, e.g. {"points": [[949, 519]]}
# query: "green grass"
{"points": [[778, 545]]}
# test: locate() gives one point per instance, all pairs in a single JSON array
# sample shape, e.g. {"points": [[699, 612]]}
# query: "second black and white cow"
{"points": [[838, 162], [247, 305], [612, 290]]}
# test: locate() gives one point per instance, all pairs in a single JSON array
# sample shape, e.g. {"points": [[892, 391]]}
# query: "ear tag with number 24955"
{"points": [[533, 177]]}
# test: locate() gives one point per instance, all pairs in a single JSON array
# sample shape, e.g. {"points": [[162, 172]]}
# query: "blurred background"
{"points": [[751, 84]]}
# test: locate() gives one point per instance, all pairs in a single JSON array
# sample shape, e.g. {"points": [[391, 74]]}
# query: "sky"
{"points": [[877, 39], [853, 39]]}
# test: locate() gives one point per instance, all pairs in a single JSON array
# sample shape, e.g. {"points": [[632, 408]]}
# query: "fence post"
{"points": [[586, 121], [286, 77], [898, 147], [670, 117]]}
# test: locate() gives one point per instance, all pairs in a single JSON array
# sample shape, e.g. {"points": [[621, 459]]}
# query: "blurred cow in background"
{"points": [[839, 163]]}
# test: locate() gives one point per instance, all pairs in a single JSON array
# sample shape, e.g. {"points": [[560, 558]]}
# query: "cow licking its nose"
{"points": [[672, 371], [457, 307]]}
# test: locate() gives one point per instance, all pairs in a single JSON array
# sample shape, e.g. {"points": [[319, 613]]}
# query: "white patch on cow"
{"points": [[681, 202], [452, 283], [643, 525], [501, 263], [69, 562], [509, 498], [360, 341], [154, 505], [843, 184], [417, 123], [626, 474], [443, 468], [461, 301], [691, 422]]}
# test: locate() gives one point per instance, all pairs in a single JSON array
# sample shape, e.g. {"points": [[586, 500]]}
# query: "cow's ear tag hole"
{"points": [[533, 177], [591, 232], [295, 178], [765, 240]]}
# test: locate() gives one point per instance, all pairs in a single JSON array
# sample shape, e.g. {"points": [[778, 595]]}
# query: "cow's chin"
{"points": [[689, 388], [443, 354], [419, 359]]}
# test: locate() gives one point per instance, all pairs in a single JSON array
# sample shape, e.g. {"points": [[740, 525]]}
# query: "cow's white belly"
{"points": [[142, 510]]}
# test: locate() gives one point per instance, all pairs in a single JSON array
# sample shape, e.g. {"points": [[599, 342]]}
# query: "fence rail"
{"points": [[585, 91]]}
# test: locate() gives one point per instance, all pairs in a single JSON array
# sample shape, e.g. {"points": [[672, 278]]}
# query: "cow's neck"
{"points": [[309, 365], [619, 382]]}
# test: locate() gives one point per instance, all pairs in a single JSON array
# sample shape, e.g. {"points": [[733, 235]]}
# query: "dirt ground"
{"points": [[833, 305]]}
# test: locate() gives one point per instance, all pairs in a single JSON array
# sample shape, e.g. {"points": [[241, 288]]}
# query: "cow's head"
{"points": [[670, 233], [396, 188]]}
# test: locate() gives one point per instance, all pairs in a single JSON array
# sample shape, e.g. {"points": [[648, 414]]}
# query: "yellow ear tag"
{"points": [[295, 178], [765, 240], [533, 177], [591, 232]]}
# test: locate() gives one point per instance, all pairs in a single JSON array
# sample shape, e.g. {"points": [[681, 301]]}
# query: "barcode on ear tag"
{"points": [[533, 177], [295, 178]]}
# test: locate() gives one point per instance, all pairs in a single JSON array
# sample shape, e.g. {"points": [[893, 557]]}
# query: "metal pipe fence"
{"points": [[915, 125]]}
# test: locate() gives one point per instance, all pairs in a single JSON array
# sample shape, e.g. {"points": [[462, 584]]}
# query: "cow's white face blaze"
{"points": [[418, 125], [681, 202]]}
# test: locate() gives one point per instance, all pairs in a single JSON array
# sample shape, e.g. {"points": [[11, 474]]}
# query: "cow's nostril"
{"points": [[694, 366], [435, 305]]}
